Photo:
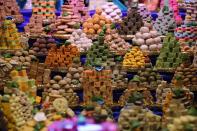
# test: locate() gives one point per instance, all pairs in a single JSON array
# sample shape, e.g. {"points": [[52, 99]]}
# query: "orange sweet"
{"points": [[96, 26], [85, 24], [96, 20], [99, 30], [102, 22], [91, 31], [85, 30], [98, 11]]}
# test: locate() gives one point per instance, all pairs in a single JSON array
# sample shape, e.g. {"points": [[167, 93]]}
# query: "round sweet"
{"points": [[144, 47]]}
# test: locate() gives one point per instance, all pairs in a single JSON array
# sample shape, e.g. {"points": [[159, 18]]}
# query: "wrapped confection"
{"points": [[9, 36], [97, 84], [42, 46], [112, 12], [117, 44], [10, 8], [170, 56], [93, 26], [58, 87], [148, 39], [61, 57], [80, 40]]}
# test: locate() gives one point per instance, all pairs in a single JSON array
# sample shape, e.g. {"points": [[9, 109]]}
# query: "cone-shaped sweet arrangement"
{"points": [[134, 59], [58, 87], [164, 21], [131, 23], [74, 75], [170, 56], [66, 23], [42, 10], [9, 36], [145, 14], [10, 8], [112, 12], [61, 56], [97, 84], [148, 39], [17, 108], [117, 44], [80, 40], [93, 26]]}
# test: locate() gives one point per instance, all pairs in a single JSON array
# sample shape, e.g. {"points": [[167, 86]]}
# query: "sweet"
{"points": [[79, 39], [145, 14]]}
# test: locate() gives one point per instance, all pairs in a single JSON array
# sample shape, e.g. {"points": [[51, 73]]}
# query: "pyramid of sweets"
{"points": [[66, 23], [41, 10], [17, 108], [164, 21], [42, 45], [134, 58], [79, 9], [131, 23], [59, 87], [24, 58], [145, 14], [97, 84], [98, 54], [61, 56], [10, 8], [112, 12], [74, 75], [170, 56], [116, 44], [93, 26], [80, 40], [148, 39], [9, 37]]}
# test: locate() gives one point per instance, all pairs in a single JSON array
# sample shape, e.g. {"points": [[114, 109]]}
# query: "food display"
{"points": [[131, 23], [117, 44], [148, 39], [61, 57], [9, 36], [112, 12], [10, 8], [79, 39]]}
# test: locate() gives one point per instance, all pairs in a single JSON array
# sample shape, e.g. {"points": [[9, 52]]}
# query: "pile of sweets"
{"points": [[80, 40], [112, 12], [9, 36], [164, 21], [148, 39], [134, 58], [83, 124], [10, 8], [66, 23], [58, 87], [170, 56], [117, 44], [74, 75], [42, 10], [145, 14], [79, 9], [42, 45], [61, 57], [17, 108], [24, 58], [97, 84], [131, 23], [93, 26]]}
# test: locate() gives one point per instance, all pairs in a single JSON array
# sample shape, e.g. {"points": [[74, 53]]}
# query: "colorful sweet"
{"points": [[145, 14], [164, 21], [116, 44], [134, 59], [58, 87], [148, 39], [61, 57], [170, 56], [97, 84], [42, 45], [80, 40], [74, 75], [112, 12], [28, 4], [10, 8], [9, 36], [131, 23], [66, 23]]}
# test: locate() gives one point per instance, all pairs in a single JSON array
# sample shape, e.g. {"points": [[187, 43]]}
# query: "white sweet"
{"points": [[144, 47]]}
